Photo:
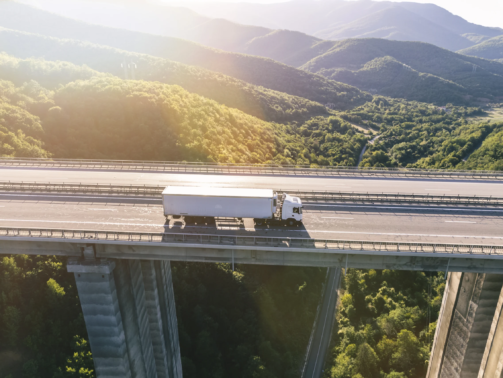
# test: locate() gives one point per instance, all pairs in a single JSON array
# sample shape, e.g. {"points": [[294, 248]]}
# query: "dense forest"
{"points": [[257, 101], [385, 324], [87, 118], [419, 135], [253, 323], [43, 333]]}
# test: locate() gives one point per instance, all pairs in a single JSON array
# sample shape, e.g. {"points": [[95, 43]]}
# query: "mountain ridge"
{"points": [[251, 69]]}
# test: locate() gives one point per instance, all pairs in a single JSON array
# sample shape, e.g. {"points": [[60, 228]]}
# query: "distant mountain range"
{"points": [[410, 70], [258, 71], [339, 19], [229, 26]]}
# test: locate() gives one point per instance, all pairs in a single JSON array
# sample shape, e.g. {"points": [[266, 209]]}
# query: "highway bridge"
{"points": [[107, 217]]}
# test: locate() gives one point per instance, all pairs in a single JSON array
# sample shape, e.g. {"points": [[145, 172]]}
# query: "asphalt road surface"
{"points": [[324, 325], [361, 185], [322, 221]]}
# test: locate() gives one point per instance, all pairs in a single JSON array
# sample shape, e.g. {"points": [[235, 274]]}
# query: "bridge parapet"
{"points": [[255, 250], [247, 169]]}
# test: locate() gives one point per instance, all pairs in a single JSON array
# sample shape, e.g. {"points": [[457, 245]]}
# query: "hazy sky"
{"points": [[482, 12]]}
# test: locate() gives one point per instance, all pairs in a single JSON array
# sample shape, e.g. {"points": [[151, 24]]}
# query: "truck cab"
{"points": [[291, 210]]}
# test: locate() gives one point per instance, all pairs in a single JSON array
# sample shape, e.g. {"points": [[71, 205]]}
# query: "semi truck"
{"points": [[204, 204]]}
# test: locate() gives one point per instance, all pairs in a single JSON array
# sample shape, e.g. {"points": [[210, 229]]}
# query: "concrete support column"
{"points": [[130, 316], [465, 323], [100, 305], [169, 320], [153, 306], [131, 294], [492, 361]]}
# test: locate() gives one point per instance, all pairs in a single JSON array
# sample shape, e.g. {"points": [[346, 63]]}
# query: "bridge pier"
{"points": [[130, 315], [468, 340]]}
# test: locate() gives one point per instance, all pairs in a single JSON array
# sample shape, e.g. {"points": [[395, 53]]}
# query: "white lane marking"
{"points": [[102, 209], [335, 218], [88, 197], [459, 222], [278, 229], [407, 208], [80, 222]]}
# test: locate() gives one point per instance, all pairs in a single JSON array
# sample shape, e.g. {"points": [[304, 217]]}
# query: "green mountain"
{"points": [[489, 49], [411, 70], [390, 77], [257, 101], [103, 118], [453, 75], [49, 74], [254, 70], [112, 118]]}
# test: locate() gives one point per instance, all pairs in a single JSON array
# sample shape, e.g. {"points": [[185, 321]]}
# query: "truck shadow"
{"points": [[236, 227]]}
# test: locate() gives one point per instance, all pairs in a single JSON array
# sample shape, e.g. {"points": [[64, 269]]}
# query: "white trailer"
{"points": [[197, 204]]}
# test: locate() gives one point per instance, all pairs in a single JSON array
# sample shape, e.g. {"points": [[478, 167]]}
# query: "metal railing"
{"points": [[306, 196], [318, 245], [397, 198], [78, 188], [247, 169]]}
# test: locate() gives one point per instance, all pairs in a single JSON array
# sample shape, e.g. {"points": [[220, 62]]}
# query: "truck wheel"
{"points": [[258, 222], [291, 222]]}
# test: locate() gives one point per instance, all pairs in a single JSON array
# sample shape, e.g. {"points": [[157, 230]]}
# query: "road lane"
{"points": [[360, 185], [336, 222]]}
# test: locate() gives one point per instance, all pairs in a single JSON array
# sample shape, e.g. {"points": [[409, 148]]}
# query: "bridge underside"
{"points": [[266, 256]]}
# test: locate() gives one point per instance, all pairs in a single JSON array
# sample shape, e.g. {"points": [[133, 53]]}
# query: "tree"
{"points": [[80, 365], [367, 362]]}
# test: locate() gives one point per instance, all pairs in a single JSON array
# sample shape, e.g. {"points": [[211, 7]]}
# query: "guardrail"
{"points": [[77, 188], [306, 196], [397, 198], [119, 237], [247, 169]]}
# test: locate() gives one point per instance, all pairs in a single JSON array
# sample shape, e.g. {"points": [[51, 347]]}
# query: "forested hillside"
{"points": [[42, 330], [385, 324], [453, 76], [257, 101], [48, 74], [489, 49], [20, 130], [423, 136], [490, 154], [253, 70]]}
